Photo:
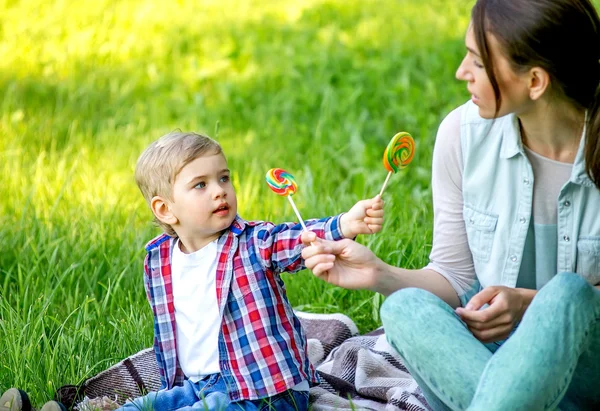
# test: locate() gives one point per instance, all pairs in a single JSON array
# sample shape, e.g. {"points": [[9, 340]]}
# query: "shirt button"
{"points": [[566, 238], [526, 181], [523, 220], [513, 258], [567, 203]]}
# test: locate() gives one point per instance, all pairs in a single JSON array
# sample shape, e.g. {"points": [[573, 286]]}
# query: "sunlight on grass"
{"points": [[315, 87]]}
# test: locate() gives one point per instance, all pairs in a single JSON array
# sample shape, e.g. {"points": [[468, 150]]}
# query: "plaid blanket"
{"points": [[357, 372]]}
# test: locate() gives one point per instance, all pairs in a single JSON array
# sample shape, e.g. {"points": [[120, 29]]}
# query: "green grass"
{"points": [[314, 86]]}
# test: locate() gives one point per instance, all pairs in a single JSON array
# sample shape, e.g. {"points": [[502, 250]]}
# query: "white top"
{"points": [[197, 315], [550, 176], [450, 254], [539, 262]]}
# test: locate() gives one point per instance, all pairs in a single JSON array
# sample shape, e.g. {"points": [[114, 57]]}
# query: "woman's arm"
{"points": [[450, 272], [391, 279], [450, 254], [351, 265]]}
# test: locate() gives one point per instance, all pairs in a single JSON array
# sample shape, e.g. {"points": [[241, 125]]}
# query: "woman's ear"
{"points": [[539, 82], [162, 210]]}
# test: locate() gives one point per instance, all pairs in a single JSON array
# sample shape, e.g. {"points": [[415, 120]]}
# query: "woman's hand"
{"points": [[344, 263], [506, 308]]}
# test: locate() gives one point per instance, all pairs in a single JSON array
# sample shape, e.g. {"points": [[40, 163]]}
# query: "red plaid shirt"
{"points": [[262, 347]]}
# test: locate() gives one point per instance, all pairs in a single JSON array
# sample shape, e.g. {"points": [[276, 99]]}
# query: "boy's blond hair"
{"points": [[163, 159]]}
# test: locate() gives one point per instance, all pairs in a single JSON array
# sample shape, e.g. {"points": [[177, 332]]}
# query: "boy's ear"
{"points": [[161, 209]]}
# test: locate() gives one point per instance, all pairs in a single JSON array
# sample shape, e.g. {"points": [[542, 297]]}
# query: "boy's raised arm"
{"points": [[280, 247]]}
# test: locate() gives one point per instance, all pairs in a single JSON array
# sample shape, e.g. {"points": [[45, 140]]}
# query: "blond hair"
{"points": [[162, 161]]}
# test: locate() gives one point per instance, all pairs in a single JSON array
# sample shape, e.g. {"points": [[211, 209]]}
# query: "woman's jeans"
{"points": [[551, 361], [211, 394]]}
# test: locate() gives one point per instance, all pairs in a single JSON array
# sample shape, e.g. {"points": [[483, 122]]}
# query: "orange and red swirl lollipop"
{"points": [[398, 154]]}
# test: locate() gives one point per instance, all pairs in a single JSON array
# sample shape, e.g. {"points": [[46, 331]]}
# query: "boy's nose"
{"points": [[220, 192]]}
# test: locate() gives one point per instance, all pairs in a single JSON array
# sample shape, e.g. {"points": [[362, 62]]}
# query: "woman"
{"points": [[515, 184]]}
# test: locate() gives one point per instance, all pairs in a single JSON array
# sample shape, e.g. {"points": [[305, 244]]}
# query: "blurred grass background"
{"points": [[317, 87]]}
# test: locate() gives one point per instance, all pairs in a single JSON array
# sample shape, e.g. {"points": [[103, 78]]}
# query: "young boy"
{"points": [[225, 334]]}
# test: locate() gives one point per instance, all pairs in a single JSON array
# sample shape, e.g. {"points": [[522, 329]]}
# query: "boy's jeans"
{"points": [[551, 361], [211, 394]]}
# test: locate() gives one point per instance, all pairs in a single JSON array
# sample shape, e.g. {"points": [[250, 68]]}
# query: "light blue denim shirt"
{"points": [[497, 189]]}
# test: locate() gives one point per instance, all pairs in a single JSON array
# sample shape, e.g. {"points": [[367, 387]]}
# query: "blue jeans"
{"points": [[551, 361], [211, 394]]}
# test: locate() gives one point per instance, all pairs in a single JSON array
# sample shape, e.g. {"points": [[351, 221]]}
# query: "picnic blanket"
{"points": [[358, 372]]}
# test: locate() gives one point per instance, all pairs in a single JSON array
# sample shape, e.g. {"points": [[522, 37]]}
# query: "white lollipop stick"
{"points": [[385, 183], [298, 215], [297, 212]]}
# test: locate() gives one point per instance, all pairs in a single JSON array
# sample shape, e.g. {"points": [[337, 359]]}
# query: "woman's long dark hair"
{"points": [[560, 36]]}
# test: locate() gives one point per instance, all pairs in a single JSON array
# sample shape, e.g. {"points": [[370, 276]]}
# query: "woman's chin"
{"points": [[485, 113]]}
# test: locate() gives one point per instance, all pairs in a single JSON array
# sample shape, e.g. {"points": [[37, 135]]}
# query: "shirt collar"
{"points": [[511, 137], [579, 175], [237, 227]]}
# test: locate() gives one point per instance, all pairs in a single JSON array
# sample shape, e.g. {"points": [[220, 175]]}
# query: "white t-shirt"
{"points": [[197, 315]]}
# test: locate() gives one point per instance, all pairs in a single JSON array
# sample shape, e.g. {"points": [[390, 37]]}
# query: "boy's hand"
{"points": [[365, 217]]}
